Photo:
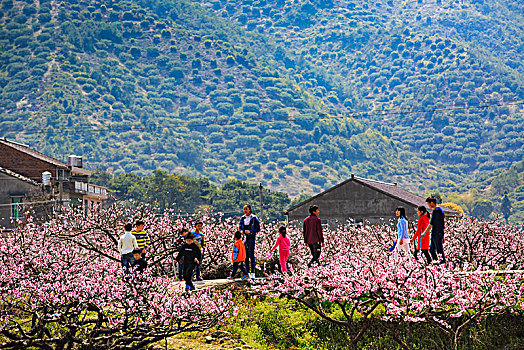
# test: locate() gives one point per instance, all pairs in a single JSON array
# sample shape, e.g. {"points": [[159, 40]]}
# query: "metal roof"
{"points": [[389, 189]]}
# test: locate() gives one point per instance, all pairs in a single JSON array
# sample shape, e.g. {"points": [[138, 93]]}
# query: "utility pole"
{"points": [[61, 189], [261, 202]]}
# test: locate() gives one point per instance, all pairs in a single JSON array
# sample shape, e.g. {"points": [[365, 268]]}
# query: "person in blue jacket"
{"points": [[200, 241], [403, 232], [249, 226]]}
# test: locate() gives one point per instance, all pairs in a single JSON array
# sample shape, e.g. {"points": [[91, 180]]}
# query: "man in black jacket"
{"points": [[436, 225], [192, 256]]}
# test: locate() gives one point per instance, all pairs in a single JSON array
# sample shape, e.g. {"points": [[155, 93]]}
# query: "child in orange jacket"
{"points": [[238, 256]]}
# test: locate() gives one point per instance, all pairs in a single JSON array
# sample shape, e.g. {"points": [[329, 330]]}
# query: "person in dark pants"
{"points": [[200, 241], [126, 244], [249, 226], [422, 244], [191, 255], [436, 225], [178, 244], [313, 236], [238, 256]]}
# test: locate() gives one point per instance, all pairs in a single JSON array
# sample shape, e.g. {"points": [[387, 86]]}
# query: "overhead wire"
{"points": [[269, 119]]}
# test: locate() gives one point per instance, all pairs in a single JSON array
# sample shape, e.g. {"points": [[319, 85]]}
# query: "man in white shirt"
{"points": [[126, 244]]}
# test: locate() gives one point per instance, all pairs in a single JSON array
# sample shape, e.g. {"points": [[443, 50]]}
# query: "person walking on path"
{"points": [[249, 227], [238, 256], [313, 236], [200, 241], [179, 243], [142, 238], [283, 245], [422, 243], [191, 255], [126, 244], [436, 225], [403, 232]]}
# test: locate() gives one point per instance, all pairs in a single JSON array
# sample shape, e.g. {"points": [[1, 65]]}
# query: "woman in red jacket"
{"points": [[422, 243]]}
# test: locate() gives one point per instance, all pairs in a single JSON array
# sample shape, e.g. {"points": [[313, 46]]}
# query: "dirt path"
{"points": [[218, 283]]}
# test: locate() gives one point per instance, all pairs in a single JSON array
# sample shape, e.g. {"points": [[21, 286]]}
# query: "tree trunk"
{"points": [[410, 335]]}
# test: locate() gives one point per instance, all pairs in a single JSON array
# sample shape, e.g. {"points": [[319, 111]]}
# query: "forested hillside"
{"points": [[257, 89], [374, 55], [501, 192]]}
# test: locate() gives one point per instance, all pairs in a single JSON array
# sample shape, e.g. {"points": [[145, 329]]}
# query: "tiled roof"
{"points": [[18, 176], [399, 193], [25, 149], [388, 189]]}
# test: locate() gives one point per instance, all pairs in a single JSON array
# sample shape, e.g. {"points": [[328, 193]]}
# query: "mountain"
{"points": [[294, 94], [374, 55]]}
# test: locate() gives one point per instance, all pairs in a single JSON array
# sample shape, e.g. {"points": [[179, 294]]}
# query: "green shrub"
{"points": [[316, 166], [256, 166], [304, 172], [88, 88], [108, 98], [318, 180], [275, 323]]}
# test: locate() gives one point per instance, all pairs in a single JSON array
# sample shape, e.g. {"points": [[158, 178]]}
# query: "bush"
{"points": [[318, 180], [153, 52], [305, 172], [108, 98], [88, 88], [118, 105], [230, 60], [256, 166], [274, 323], [282, 162], [177, 73], [250, 107], [316, 166], [226, 108]]}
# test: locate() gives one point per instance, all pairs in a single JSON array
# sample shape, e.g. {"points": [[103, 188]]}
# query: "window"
{"points": [[16, 207]]}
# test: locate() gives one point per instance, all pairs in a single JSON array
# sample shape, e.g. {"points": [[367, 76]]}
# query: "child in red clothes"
{"points": [[422, 243], [283, 245]]}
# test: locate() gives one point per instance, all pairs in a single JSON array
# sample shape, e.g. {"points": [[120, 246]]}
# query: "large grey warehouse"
{"points": [[361, 200]]}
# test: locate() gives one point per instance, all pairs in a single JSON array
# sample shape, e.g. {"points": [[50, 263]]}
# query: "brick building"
{"points": [[360, 200], [29, 177]]}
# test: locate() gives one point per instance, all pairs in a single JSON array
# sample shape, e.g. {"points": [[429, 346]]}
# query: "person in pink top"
{"points": [[283, 245]]}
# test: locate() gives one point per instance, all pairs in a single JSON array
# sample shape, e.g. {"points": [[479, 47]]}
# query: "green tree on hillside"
{"points": [[482, 208], [234, 194], [505, 207]]}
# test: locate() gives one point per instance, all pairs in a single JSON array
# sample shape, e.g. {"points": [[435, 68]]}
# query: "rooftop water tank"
{"points": [[46, 178], [75, 161]]}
